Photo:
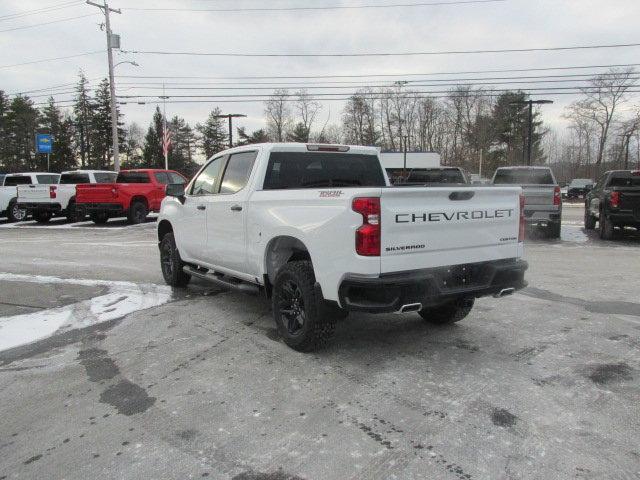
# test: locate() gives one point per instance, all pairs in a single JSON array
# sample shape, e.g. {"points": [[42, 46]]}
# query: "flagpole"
{"points": [[164, 115]]}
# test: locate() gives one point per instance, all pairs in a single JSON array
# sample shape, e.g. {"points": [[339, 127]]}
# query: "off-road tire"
{"points": [[99, 218], [589, 220], [74, 214], [15, 213], [320, 319], [42, 216], [606, 227], [448, 313], [171, 264], [553, 230], [137, 213]]}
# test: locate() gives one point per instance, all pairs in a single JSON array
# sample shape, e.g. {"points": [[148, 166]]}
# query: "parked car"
{"points": [[319, 229], [9, 192], [437, 175], [542, 197], [614, 202], [45, 201], [579, 187], [134, 194]]}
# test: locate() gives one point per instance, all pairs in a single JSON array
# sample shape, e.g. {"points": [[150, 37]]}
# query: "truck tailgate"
{"points": [[34, 193], [96, 193], [538, 195], [440, 226]]}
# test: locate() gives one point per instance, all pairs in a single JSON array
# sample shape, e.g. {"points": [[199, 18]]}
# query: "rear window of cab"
{"points": [[133, 177], [523, 176]]}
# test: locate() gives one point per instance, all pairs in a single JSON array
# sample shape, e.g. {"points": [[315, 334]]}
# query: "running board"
{"points": [[238, 285]]}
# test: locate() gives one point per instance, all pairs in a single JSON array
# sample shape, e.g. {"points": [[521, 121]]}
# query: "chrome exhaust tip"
{"points": [[505, 292], [410, 307]]}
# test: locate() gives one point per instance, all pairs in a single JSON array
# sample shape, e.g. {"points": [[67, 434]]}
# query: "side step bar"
{"points": [[237, 285]]}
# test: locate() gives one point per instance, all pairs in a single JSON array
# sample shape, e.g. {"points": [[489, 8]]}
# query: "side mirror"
{"points": [[175, 190]]}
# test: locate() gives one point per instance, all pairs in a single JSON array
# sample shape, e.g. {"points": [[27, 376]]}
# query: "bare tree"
{"points": [[307, 108], [602, 98], [278, 114]]}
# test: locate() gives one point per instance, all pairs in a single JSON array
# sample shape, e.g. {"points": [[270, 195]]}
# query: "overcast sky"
{"points": [[499, 25]]}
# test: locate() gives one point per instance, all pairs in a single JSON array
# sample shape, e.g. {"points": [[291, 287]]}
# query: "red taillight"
{"points": [[557, 196], [368, 235], [614, 200], [52, 191], [523, 223]]}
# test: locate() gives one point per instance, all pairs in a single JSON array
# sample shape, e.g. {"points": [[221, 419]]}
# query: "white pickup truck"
{"points": [[9, 192], [45, 201], [321, 232]]}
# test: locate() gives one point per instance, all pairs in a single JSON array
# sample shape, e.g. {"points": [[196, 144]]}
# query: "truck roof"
{"points": [[31, 173], [87, 171], [306, 147], [525, 167], [146, 170]]}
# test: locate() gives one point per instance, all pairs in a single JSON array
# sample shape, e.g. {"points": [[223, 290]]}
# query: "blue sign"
{"points": [[44, 143]]}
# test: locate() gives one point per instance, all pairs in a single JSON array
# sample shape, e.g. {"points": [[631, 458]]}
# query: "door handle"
{"points": [[236, 208], [201, 207]]}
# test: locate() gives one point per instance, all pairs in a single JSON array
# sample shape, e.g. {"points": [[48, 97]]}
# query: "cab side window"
{"points": [[208, 181], [236, 175], [175, 178], [162, 177]]}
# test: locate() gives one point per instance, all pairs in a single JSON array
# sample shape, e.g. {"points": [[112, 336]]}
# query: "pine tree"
{"points": [[182, 146], [4, 140], [152, 151], [258, 136], [62, 157], [102, 135], [299, 134], [83, 110], [21, 125], [212, 138]]}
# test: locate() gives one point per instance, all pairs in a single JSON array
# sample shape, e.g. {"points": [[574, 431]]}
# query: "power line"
{"points": [[51, 59], [303, 9], [48, 9], [385, 75], [410, 92], [337, 87], [384, 54], [48, 23]]}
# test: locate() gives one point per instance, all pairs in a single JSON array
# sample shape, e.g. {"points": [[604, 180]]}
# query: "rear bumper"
{"points": [[41, 207], [542, 215], [434, 286], [110, 208]]}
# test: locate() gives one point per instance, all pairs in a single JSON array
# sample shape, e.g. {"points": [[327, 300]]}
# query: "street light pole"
{"points": [[530, 104], [112, 86], [230, 116]]}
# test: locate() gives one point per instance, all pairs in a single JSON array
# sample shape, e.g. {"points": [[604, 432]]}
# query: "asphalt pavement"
{"points": [[540, 385]]}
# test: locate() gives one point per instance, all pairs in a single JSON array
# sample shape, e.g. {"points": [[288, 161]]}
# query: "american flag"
{"points": [[166, 140]]}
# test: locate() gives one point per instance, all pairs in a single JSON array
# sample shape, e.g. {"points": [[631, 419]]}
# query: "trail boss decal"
{"points": [[454, 216], [331, 193]]}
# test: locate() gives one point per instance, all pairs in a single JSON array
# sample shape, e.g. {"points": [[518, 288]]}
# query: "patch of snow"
{"points": [[123, 298]]}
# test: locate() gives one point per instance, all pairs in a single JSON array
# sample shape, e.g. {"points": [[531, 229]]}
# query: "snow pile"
{"points": [[122, 299]]}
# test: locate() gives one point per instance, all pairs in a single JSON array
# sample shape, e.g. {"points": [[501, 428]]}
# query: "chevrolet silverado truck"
{"points": [[46, 201], [134, 194], [579, 187], [319, 230], [542, 195], [437, 175], [9, 192], [614, 202]]}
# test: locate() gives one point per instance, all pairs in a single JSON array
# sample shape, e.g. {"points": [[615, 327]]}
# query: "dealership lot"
{"points": [[542, 384]]}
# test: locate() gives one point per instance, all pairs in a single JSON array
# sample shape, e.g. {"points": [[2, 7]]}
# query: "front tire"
{"points": [[606, 227], [137, 213], [304, 321], [171, 263], [42, 216], [15, 213], [448, 313], [589, 220]]}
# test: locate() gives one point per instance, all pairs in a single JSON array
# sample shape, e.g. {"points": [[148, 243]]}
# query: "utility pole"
{"points": [[111, 39], [164, 129], [627, 137], [530, 104], [230, 116]]}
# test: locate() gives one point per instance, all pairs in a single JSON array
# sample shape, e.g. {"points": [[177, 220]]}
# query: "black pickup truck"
{"points": [[614, 202]]}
